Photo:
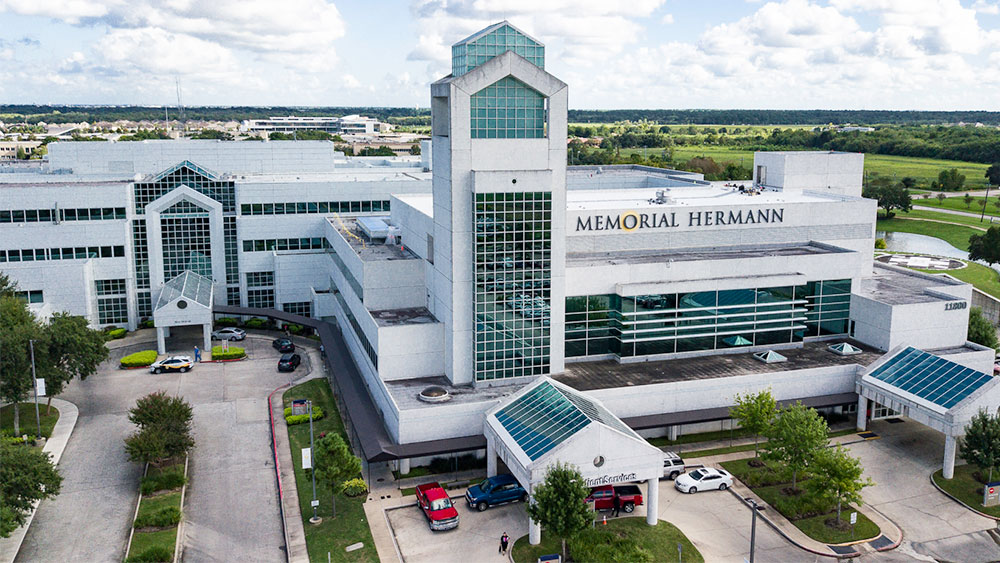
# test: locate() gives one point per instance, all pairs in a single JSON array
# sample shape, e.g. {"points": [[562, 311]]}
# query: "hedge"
{"points": [[170, 479], [293, 419], [147, 323], [234, 352], [139, 359], [154, 554], [116, 333], [222, 322], [166, 516], [255, 323]]}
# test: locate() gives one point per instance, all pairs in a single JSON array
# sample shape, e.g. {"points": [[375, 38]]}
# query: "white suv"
{"points": [[673, 465]]}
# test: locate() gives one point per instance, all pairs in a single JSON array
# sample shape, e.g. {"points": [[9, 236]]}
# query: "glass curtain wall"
{"points": [[513, 279], [648, 325]]}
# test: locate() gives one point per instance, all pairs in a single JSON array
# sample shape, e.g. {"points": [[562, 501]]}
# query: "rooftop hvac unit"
{"points": [[373, 227]]}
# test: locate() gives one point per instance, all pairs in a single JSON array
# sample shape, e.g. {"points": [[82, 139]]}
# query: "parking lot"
{"points": [[231, 510]]}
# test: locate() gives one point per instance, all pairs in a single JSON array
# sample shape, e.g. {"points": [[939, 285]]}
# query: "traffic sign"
{"points": [[854, 518]]}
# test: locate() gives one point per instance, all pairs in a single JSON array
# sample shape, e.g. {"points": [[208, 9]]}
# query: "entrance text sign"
{"points": [[991, 494], [609, 479], [300, 406]]}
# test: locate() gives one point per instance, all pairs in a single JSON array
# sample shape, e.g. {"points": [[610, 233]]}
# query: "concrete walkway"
{"points": [[986, 220], [942, 222], [54, 446]]}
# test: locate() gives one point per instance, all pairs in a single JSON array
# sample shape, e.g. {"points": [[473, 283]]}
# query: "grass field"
{"points": [[981, 277], [965, 488], [660, 541], [973, 222], [141, 541], [350, 525], [955, 235], [958, 204], [26, 418]]}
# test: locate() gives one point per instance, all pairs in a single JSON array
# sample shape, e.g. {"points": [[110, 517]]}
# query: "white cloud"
{"points": [[991, 8], [667, 19]]}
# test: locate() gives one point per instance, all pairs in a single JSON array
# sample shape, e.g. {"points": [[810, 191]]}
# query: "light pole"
{"points": [[753, 525], [312, 452], [986, 201], [34, 384]]}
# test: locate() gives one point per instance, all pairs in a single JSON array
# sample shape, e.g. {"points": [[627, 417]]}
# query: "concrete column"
{"points": [[206, 347], [491, 459], [862, 413], [534, 532], [949, 457], [161, 340], [673, 432], [652, 501], [404, 466]]}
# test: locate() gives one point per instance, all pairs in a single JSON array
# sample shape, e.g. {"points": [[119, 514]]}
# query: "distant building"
{"points": [[348, 125], [8, 149]]}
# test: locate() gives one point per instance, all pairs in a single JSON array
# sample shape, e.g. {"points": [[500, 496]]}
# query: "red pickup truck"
{"points": [[437, 507], [603, 497]]}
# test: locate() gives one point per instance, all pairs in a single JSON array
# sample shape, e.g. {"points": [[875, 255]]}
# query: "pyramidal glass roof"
{"points": [[548, 415], [190, 166], [844, 349], [932, 378], [770, 357], [493, 41], [189, 285]]}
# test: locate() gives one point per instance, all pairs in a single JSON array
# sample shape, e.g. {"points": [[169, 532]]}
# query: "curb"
{"points": [[131, 531], [180, 525], [68, 415], [221, 361], [949, 495]]}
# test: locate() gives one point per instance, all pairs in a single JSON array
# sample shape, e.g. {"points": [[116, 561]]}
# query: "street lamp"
{"points": [[753, 525], [312, 452], [986, 201], [34, 383]]}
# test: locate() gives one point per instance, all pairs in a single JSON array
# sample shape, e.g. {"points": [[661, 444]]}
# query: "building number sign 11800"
{"points": [[954, 305]]}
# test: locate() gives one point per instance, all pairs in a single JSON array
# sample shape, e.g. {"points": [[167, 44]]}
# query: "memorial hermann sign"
{"points": [[629, 221]]}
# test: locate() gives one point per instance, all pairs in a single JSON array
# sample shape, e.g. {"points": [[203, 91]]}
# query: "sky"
{"points": [[781, 54]]}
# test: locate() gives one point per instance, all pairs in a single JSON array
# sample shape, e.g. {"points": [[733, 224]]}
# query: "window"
{"points": [[110, 287], [33, 296], [507, 109], [260, 279], [311, 207], [304, 308], [112, 310], [260, 298], [469, 54], [43, 254], [281, 244]]}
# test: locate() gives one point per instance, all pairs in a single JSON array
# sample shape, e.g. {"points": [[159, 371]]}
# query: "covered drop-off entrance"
{"points": [[547, 422], [934, 391], [185, 300]]}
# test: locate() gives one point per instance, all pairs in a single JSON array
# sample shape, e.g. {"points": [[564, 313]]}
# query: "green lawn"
{"points": [[350, 525], [955, 235], [983, 278], [141, 541], [27, 419], [659, 541], [925, 170], [958, 204], [966, 489], [947, 217], [152, 504], [768, 481]]}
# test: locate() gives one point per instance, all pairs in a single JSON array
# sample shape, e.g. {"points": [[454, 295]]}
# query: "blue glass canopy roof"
{"points": [[932, 378], [547, 416], [493, 41]]}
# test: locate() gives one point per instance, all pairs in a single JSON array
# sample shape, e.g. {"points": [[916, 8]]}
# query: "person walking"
{"points": [[197, 354], [504, 540], [617, 504]]}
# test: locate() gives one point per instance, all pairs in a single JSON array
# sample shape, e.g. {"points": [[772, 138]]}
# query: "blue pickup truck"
{"points": [[492, 491]]}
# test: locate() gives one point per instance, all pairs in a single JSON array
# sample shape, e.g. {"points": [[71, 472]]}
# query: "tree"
{"points": [[981, 330], [148, 445], [27, 475], [968, 199], [796, 435], [17, 327], [889, 197], [985, 247], [7, 285], [949, 181], [993, 174], [755, 412], [335, 463], [981, 445], [941, 197], [558, 504], [837, 477], [164, 428], [415, 148], [73, 350]]}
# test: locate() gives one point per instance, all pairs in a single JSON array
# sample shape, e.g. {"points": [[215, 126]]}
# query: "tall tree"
{"points": [[73, 350], [981, 330], [558, 503], [17, 328], [755, 412], [27, 475], [335, 463], [985, 247], [889, 197], [993, 174], [837, 477], [981, 445], [949, 180], [797, 434]]}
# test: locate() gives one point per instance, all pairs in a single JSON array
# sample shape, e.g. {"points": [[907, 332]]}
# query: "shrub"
{"points": [[169, 479], [116, 333], [234, 352], [166, 516], [294, 328], [354, 487], [880, 243], [602, 544], [153, 554], [293, 419], [223, 322], [139, 359], [447, 464], [255, 323], [146, 323]]}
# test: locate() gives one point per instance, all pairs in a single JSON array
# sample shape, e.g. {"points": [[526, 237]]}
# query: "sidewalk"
{"points": [[54, 446]]}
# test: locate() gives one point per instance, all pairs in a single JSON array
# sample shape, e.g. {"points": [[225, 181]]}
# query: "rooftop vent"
{"points": [[373, 227], [844, 349], [770, 357], [661, 198], [434, 394]]}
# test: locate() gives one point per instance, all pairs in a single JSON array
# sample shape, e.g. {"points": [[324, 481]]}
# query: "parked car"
{"points": [[173, 363], [283, 345], [704, 479], [603, 497], [499, 489], [437, 507], [288, 362], [673, 465], [229, 333]]}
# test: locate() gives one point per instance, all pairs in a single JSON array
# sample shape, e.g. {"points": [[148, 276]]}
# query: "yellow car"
{"points": [[173, 363]]}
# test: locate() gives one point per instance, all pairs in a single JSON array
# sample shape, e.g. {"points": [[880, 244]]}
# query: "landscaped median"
{"points": [[350, 525], [967, 488], [154, 531], [622, 539], [220, 354]]}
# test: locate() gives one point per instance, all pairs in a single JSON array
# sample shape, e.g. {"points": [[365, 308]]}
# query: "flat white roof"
{"points": [[423, 203], [684, 197]]}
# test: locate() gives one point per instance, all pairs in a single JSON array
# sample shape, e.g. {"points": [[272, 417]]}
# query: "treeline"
{"points": [[971, 144], [91, 114]]}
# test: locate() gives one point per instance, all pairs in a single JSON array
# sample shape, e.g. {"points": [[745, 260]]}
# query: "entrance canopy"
{"points": [[548, 421], [929, 389], [185, 300]]}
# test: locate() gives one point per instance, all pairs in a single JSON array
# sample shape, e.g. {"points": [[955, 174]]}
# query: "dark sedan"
{"points": [[283, 345], [289, 362]]}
